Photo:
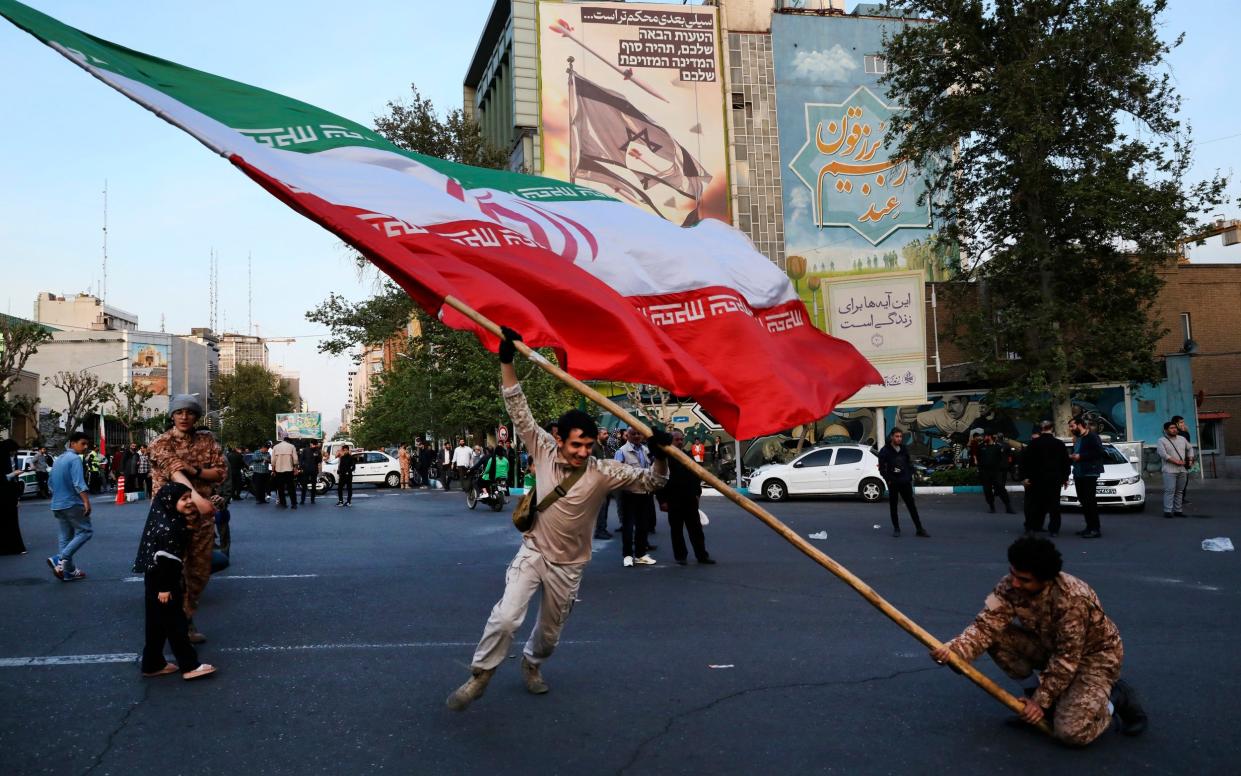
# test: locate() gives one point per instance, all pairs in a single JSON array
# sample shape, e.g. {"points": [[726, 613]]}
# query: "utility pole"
{"points": [[249, 297], [103, 284]]}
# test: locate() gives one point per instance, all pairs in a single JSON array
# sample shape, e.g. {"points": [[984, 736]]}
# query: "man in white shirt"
{"points": [[283, 463], [462, 458]]}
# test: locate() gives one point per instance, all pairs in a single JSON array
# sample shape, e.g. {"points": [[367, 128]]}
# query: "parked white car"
{"points": [[1120, 484], [831, 469], [373, 466]]}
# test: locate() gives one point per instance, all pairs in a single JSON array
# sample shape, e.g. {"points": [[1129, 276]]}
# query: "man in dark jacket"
{"points": [[426, 457], [1088, 458], [309, 460], [898, 473], [992, 460], [679, 498], [1045, 465]]}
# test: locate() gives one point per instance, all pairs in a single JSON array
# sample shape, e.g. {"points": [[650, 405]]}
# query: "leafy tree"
{"points": [[130, 402], [417, 126], [448, 384], [84, 394], [1049, 129], [19, 340], [251, 397]]}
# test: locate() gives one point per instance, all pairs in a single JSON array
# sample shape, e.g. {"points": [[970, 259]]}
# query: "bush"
{"points": [[968, 476]]}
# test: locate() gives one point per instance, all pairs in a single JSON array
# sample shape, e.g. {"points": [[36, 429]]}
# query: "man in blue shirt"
{"points": [[1088, 458], [71, 506]]}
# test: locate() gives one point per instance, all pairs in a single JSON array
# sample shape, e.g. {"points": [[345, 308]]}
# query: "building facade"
{"points": [[237, 349], [81, 312]]}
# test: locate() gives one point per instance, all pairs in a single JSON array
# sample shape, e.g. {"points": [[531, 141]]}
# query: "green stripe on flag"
{"points": [[265, 116]]}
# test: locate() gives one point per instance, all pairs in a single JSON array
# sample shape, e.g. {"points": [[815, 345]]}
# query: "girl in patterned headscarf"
{"points": [[164, 542]]}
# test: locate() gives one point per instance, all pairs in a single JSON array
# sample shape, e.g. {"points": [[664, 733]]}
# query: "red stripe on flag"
{"points": [[756, 371]]}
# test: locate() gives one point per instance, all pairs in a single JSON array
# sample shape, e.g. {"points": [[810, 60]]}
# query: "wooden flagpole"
{"points": [[815, 554]]}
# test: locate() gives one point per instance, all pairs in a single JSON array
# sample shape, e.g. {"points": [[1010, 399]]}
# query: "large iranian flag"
{"points": [[621, 294]]}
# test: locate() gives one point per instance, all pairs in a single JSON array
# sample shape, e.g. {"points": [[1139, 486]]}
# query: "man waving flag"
{"points": [[619, 293]]}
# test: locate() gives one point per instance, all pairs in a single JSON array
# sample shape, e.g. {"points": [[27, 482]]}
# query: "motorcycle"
{"points": [[497, 494]]}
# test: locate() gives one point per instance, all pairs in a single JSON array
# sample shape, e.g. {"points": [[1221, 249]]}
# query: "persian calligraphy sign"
{"points": [[850, 206], [854, 180], [883, 316]]}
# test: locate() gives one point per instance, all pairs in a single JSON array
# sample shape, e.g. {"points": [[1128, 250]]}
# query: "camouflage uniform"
{"points": [[1061, 632], [172, 452]]}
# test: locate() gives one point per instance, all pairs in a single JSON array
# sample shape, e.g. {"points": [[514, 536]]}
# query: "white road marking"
{"points": [[132, 657], [244, 576]]}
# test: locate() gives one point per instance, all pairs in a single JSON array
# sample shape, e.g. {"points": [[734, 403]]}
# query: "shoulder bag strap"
{"points": [[561, 489]]}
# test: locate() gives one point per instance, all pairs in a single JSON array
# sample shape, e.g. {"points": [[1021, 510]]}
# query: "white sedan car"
{"points": [[374, 466], [832, 469], [1120, 484]]}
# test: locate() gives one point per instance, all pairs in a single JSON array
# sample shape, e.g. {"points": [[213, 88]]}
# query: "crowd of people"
{"points": [[1040, 625]]}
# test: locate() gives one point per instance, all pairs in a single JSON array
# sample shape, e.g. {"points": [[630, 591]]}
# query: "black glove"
{"points": [[657, 442], [507, 349]]}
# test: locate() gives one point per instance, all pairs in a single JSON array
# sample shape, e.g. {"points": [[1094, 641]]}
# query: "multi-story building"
{"points": [[81, 312], [237, 349]]}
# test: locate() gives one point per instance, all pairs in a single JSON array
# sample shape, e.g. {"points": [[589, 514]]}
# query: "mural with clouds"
{"points": [[850, 207]]}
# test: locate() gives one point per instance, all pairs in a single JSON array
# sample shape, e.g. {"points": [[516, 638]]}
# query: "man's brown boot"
{"points": [[472, 690], [534, 680]]}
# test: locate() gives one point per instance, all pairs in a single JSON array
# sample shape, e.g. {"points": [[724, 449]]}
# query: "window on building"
{"points": [[875, 64], [1208, 439], [1187, 328]]}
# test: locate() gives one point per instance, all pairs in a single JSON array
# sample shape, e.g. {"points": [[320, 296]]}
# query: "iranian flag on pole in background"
{"points": [[619, 293]]}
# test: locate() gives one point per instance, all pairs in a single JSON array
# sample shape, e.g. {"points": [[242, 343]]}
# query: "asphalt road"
{"points": [[339, 633]]}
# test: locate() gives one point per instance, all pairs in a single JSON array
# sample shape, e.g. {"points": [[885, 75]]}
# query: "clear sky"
{"points": [[170, 201]]}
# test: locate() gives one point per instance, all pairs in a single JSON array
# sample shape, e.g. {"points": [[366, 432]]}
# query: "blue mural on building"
{"points": [[850, 206]]}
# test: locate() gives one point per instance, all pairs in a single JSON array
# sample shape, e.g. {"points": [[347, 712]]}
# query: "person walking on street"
{"points": [[1176, 456], [698, 451], [190, 455], [71, 507], [600, 452], [144, 471], [1088, 457], [402, 458], [260, 466], [1045, 465], [236, 465], [555, 550], [992, 460], [344, 476], [165, 542], [284, 467], [1182, 431], [426, 456], [897, 471], [636, 507], [462, 460], [129, 468], [11, 487], [42, 464], [1048, 630], [679, 498], [309, 463], [94, 472], [446, 465]]}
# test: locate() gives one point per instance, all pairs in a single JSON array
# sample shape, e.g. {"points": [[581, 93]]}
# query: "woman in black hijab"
{"points": [[164, 542], [10, 491]]}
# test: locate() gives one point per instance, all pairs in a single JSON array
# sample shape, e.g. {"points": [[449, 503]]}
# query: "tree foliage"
{"points": [[448, 384], [417, 126], [1049, 130], [251, 396], [84, 394], [19, 340], [130, 402]]}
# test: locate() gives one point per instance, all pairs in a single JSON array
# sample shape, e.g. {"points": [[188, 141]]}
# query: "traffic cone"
{"points": [[120, 489]]}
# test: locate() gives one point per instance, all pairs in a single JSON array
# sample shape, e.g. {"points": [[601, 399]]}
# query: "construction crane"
{"points": [[1231, 230]]}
